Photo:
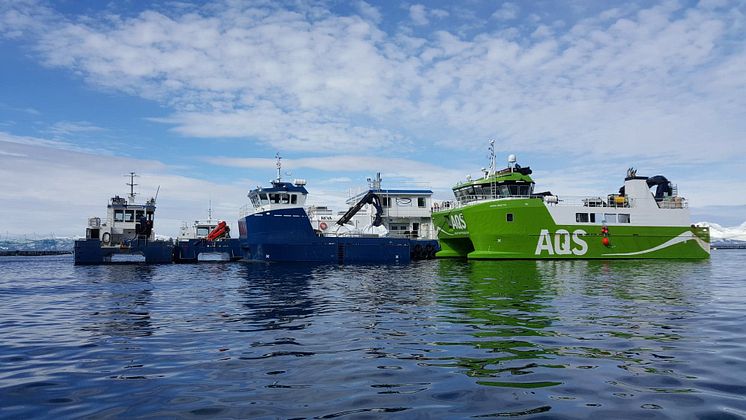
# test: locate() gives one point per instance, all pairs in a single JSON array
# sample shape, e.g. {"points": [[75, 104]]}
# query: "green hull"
{"points": [[484, 231]]}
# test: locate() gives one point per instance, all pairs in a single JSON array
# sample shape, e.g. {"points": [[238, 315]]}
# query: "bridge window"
{"points": [[610, 217], [119, 215], [129, 215], [386, 201], [139, 215], [623, 218], [420, 201], [150, 216], [581, 217], [293, 199], [284, 198]]}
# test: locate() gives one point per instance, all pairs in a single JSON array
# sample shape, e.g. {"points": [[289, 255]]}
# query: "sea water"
{"points": [[443, 338]]}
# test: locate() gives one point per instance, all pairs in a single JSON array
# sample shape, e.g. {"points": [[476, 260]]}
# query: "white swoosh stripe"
{"points": [[686, 236]]}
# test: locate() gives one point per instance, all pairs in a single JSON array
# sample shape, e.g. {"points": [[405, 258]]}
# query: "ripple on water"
{"points": [[555, 339]]}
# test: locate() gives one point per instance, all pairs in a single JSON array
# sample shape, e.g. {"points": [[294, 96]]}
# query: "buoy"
{"points": [[323, 226], [605, 241]]}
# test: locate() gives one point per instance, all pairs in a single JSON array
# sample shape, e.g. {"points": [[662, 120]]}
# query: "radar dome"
{"points": [[511, 159]]}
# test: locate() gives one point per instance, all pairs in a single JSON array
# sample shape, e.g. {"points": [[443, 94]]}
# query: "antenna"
{"points": [[209, 211], [492, 156], [279, 167], [156, 194], [132, 185]]}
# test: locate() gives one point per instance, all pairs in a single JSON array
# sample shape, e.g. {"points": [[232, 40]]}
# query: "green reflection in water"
{"points": [[498, 303], [521, 319]]}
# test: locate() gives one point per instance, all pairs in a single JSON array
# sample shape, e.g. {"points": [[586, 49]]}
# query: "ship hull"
{"points": [[192, 250], [526, 229], [93, 252], [286, 235]]}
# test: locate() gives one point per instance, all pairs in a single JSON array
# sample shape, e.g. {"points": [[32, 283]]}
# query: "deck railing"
{"points": [[612, 201]]}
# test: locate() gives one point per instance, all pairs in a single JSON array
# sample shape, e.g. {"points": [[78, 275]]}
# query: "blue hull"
{"points": [[91, 251], [286, 235], [189, 251]]}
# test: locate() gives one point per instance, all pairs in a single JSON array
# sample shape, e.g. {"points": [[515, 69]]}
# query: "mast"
{"points": [[492, 157], [279, 167], [132, 185]]}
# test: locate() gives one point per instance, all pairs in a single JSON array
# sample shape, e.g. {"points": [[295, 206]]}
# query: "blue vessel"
{"points": [[276, 226], [127, 235]]}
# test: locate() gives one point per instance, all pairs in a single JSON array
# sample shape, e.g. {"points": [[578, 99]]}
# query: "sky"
{"points": [[198, 97]]}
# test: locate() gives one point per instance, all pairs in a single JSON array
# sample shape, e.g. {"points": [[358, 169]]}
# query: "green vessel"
{"points": [[499, 216]]}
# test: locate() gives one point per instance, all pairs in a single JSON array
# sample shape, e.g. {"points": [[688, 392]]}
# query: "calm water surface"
{"points": [[452, 339]]}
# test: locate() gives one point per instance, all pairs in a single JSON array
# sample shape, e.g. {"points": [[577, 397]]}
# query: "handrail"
{"points": [[675, 202]]}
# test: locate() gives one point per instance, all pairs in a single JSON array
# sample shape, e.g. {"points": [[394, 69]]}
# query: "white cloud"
{"points": [[507, 11], [418, 14], [368, 11], [415, 171], [662, 83], [53, 188], [310, 81], [64, 128]]}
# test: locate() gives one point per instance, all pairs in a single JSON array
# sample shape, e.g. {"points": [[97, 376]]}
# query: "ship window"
{"points": [[139, 215], [129, 215], [420, 201], [284, 198], [293, 199], [581, 217], [274, 198], [202, 231], [386, 201], [623, 218], [509, 217], [118, 215], [263, 198], [150, 216], [610, 217], [593, 217]]}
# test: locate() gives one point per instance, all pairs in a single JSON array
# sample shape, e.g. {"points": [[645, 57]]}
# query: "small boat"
{"points": [[499, 216], [127, 235], [206, 240], [381, 226]]}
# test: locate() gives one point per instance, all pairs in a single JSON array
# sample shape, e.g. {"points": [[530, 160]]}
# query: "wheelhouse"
{"points": [[512, 182], [279, 195]]}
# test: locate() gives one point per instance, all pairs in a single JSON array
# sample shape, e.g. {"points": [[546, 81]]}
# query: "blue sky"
{"points": [[198, 98]]}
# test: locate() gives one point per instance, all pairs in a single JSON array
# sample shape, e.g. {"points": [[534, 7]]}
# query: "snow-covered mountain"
{"points": [[720, 233], [36, 244]]}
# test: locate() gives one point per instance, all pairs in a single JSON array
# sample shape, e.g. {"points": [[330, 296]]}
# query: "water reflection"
{"points": [[502, 303], [276, 296], [119, 305], [526, 319]]}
